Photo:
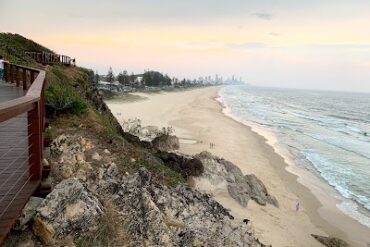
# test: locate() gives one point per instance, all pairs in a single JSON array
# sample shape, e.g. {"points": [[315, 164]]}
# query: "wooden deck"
{"points": [[16, 187]]}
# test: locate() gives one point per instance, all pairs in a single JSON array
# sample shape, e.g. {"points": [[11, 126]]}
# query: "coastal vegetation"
{"points": [[64, 99]]}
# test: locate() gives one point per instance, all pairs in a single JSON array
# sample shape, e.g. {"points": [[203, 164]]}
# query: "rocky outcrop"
{"points": [[76, 157], [69, 207], [160, 216], [258, 191], [224, 175], [149, 213], [166, 142], [330, 241]]}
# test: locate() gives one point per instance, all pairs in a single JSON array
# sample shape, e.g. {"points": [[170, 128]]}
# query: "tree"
{"points": [[167, 80], [110, 75], [155, 79], [96, 77], [123, 78], [132, 78]]}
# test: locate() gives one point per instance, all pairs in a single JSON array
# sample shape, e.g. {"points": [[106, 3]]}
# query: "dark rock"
{"points": [[193, 167], [331, 241], [172, 160], [131, 138], [166, 142], [186, 166], [135, 140]]}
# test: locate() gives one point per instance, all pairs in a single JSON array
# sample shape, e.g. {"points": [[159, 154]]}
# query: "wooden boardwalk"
{"points": [[16, 187]]}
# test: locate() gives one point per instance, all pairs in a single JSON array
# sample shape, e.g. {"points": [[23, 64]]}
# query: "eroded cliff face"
{"points": [[92, 194]]}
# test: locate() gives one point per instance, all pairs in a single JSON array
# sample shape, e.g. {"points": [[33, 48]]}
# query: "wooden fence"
{"points": [[47, 58]]}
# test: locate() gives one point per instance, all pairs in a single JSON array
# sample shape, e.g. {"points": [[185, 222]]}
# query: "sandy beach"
{"points": [[198, 120]]}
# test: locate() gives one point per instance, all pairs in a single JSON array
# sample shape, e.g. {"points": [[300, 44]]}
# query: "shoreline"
{"points": [[304, 177], [199, 119]]}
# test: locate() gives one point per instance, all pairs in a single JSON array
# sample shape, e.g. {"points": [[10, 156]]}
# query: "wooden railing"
{"points": [[48, 58], [32, 103], [29, 107]]}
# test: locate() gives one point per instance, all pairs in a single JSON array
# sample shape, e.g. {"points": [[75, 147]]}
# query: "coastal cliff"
{"points": [[112, 188], [108, 187]]}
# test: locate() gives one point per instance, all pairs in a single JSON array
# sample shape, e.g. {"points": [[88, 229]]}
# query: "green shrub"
{"points": [[78, 106], [62, 98]]}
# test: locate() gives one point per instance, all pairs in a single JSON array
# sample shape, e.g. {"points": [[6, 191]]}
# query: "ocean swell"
{"points": [[337, 148]]}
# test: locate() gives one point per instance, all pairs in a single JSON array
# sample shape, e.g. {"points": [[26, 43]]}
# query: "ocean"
{"points": [[326, 132]]}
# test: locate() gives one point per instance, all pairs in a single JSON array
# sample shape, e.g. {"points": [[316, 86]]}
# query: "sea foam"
{"points": [[326, 130]]}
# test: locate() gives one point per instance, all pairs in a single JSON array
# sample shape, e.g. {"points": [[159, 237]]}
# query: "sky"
{"points": [[316, 44]]}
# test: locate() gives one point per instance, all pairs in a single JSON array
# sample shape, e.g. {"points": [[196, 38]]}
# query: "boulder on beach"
{"points": [[166, 142], [242, 188], [259, 192]]}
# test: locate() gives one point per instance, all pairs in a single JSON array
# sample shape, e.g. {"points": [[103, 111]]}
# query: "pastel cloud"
{"points": [[264, 16]]}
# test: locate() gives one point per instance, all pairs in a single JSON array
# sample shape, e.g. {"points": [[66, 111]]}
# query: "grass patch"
{"points": [[109, 129], [97, 123], [161, 172], [110, 231]]}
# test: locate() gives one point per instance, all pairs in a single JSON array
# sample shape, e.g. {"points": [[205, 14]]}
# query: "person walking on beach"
{"points": [[297, 206], [1, 67]]}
